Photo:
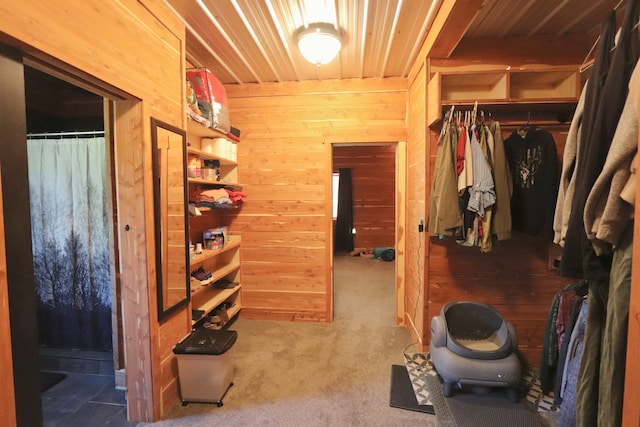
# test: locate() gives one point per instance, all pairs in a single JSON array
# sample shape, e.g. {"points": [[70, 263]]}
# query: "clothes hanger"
{"points": [[588, 63], [448, 117], [524, 129], [474, 113], [489, 117]]}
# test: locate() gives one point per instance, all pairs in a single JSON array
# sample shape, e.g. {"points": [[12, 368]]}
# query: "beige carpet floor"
{"points": [[309, 374]]}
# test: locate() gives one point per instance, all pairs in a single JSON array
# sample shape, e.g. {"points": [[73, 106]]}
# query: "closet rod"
{"points": [[46, 134]]}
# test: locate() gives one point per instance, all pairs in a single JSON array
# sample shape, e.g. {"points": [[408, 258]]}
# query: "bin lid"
{"points": [[206, 341]]}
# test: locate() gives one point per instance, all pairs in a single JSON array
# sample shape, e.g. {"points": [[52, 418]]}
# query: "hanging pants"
{"points": [[601, 377]]}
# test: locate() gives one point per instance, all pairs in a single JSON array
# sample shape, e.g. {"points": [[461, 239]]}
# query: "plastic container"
{"points": [[205, 365]]}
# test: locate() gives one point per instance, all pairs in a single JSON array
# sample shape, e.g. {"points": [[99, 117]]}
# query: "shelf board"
{"points": [[216, 275], [547, 111], [233, 241], [196, 129], [231, 311], [210, 156], [218, 298], [213, 183], [545, 104]]}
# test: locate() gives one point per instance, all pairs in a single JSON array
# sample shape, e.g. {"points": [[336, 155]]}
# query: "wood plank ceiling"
{"points": [[247, 41]]}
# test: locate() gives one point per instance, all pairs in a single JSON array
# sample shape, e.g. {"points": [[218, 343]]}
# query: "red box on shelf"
{"points": [[212, 98]]}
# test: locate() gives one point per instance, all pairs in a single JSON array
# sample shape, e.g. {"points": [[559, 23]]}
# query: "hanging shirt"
{"points": [[601, 118], [482, 194], [533, 163], [501, 222], [606, 214], [567, 176], [465, 177], [444, 211]]}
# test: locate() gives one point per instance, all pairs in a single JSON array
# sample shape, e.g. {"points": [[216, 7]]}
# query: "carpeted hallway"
{"points": [[308, 374]]}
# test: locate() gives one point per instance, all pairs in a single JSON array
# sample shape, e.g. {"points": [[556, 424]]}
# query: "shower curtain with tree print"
{"points": [[70, 223]]}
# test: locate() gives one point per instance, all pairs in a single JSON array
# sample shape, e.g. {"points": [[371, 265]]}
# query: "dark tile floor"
{"points": [[87, 396]]}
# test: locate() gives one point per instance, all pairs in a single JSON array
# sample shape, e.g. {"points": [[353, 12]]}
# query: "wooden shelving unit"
{"points": [[210, 144], [223, 264], [553, 90]]}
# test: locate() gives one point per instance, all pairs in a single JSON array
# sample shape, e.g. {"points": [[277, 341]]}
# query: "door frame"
{"points": [[131, 226]]}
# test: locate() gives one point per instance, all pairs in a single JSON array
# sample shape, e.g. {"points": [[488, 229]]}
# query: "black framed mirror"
{"points": [[169, 156]]}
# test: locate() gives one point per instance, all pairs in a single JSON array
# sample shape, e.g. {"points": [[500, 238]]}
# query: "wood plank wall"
{"points": [[131, 50], [284, 161], [373, 190], [417, 195]]}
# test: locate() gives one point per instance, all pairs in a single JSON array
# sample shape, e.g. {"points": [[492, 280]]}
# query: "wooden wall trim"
{"points": [[114, 254], [457, 17], [400, 232], [451, 21], [328, 214], [8, 413], [134, 226], [415, 205], [21, 288]]}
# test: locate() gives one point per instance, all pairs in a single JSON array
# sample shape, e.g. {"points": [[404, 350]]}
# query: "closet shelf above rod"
{"points": [[556, 113]]}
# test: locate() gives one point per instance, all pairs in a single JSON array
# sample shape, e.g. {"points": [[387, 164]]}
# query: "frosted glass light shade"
{"points": [[319, 44]]}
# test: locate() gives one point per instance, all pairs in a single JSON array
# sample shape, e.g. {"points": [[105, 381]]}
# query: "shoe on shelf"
{"points": [[200, 274]]}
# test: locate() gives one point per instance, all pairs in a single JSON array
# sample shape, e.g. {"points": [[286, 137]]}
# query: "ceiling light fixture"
{"points": [[319, 43]]}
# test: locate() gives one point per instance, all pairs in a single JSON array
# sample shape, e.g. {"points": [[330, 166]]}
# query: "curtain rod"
{"points": [[46, 134]]}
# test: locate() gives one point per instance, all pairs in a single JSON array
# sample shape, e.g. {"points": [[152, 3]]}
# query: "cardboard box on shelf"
{"points": [[214, 238]]}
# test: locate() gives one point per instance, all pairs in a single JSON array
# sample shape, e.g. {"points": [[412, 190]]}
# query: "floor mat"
{"points": [[420, 369], [467, 409], [402, 395]]}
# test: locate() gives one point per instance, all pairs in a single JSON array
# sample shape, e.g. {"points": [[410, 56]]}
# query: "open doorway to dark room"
{"points": [[70, 194]]}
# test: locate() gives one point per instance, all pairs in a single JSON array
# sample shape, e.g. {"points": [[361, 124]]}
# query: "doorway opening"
{"points": [[71, 201], [373, 175]]}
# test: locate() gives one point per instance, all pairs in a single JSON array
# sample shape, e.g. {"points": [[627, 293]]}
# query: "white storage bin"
{"points": [[205, 365]]}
